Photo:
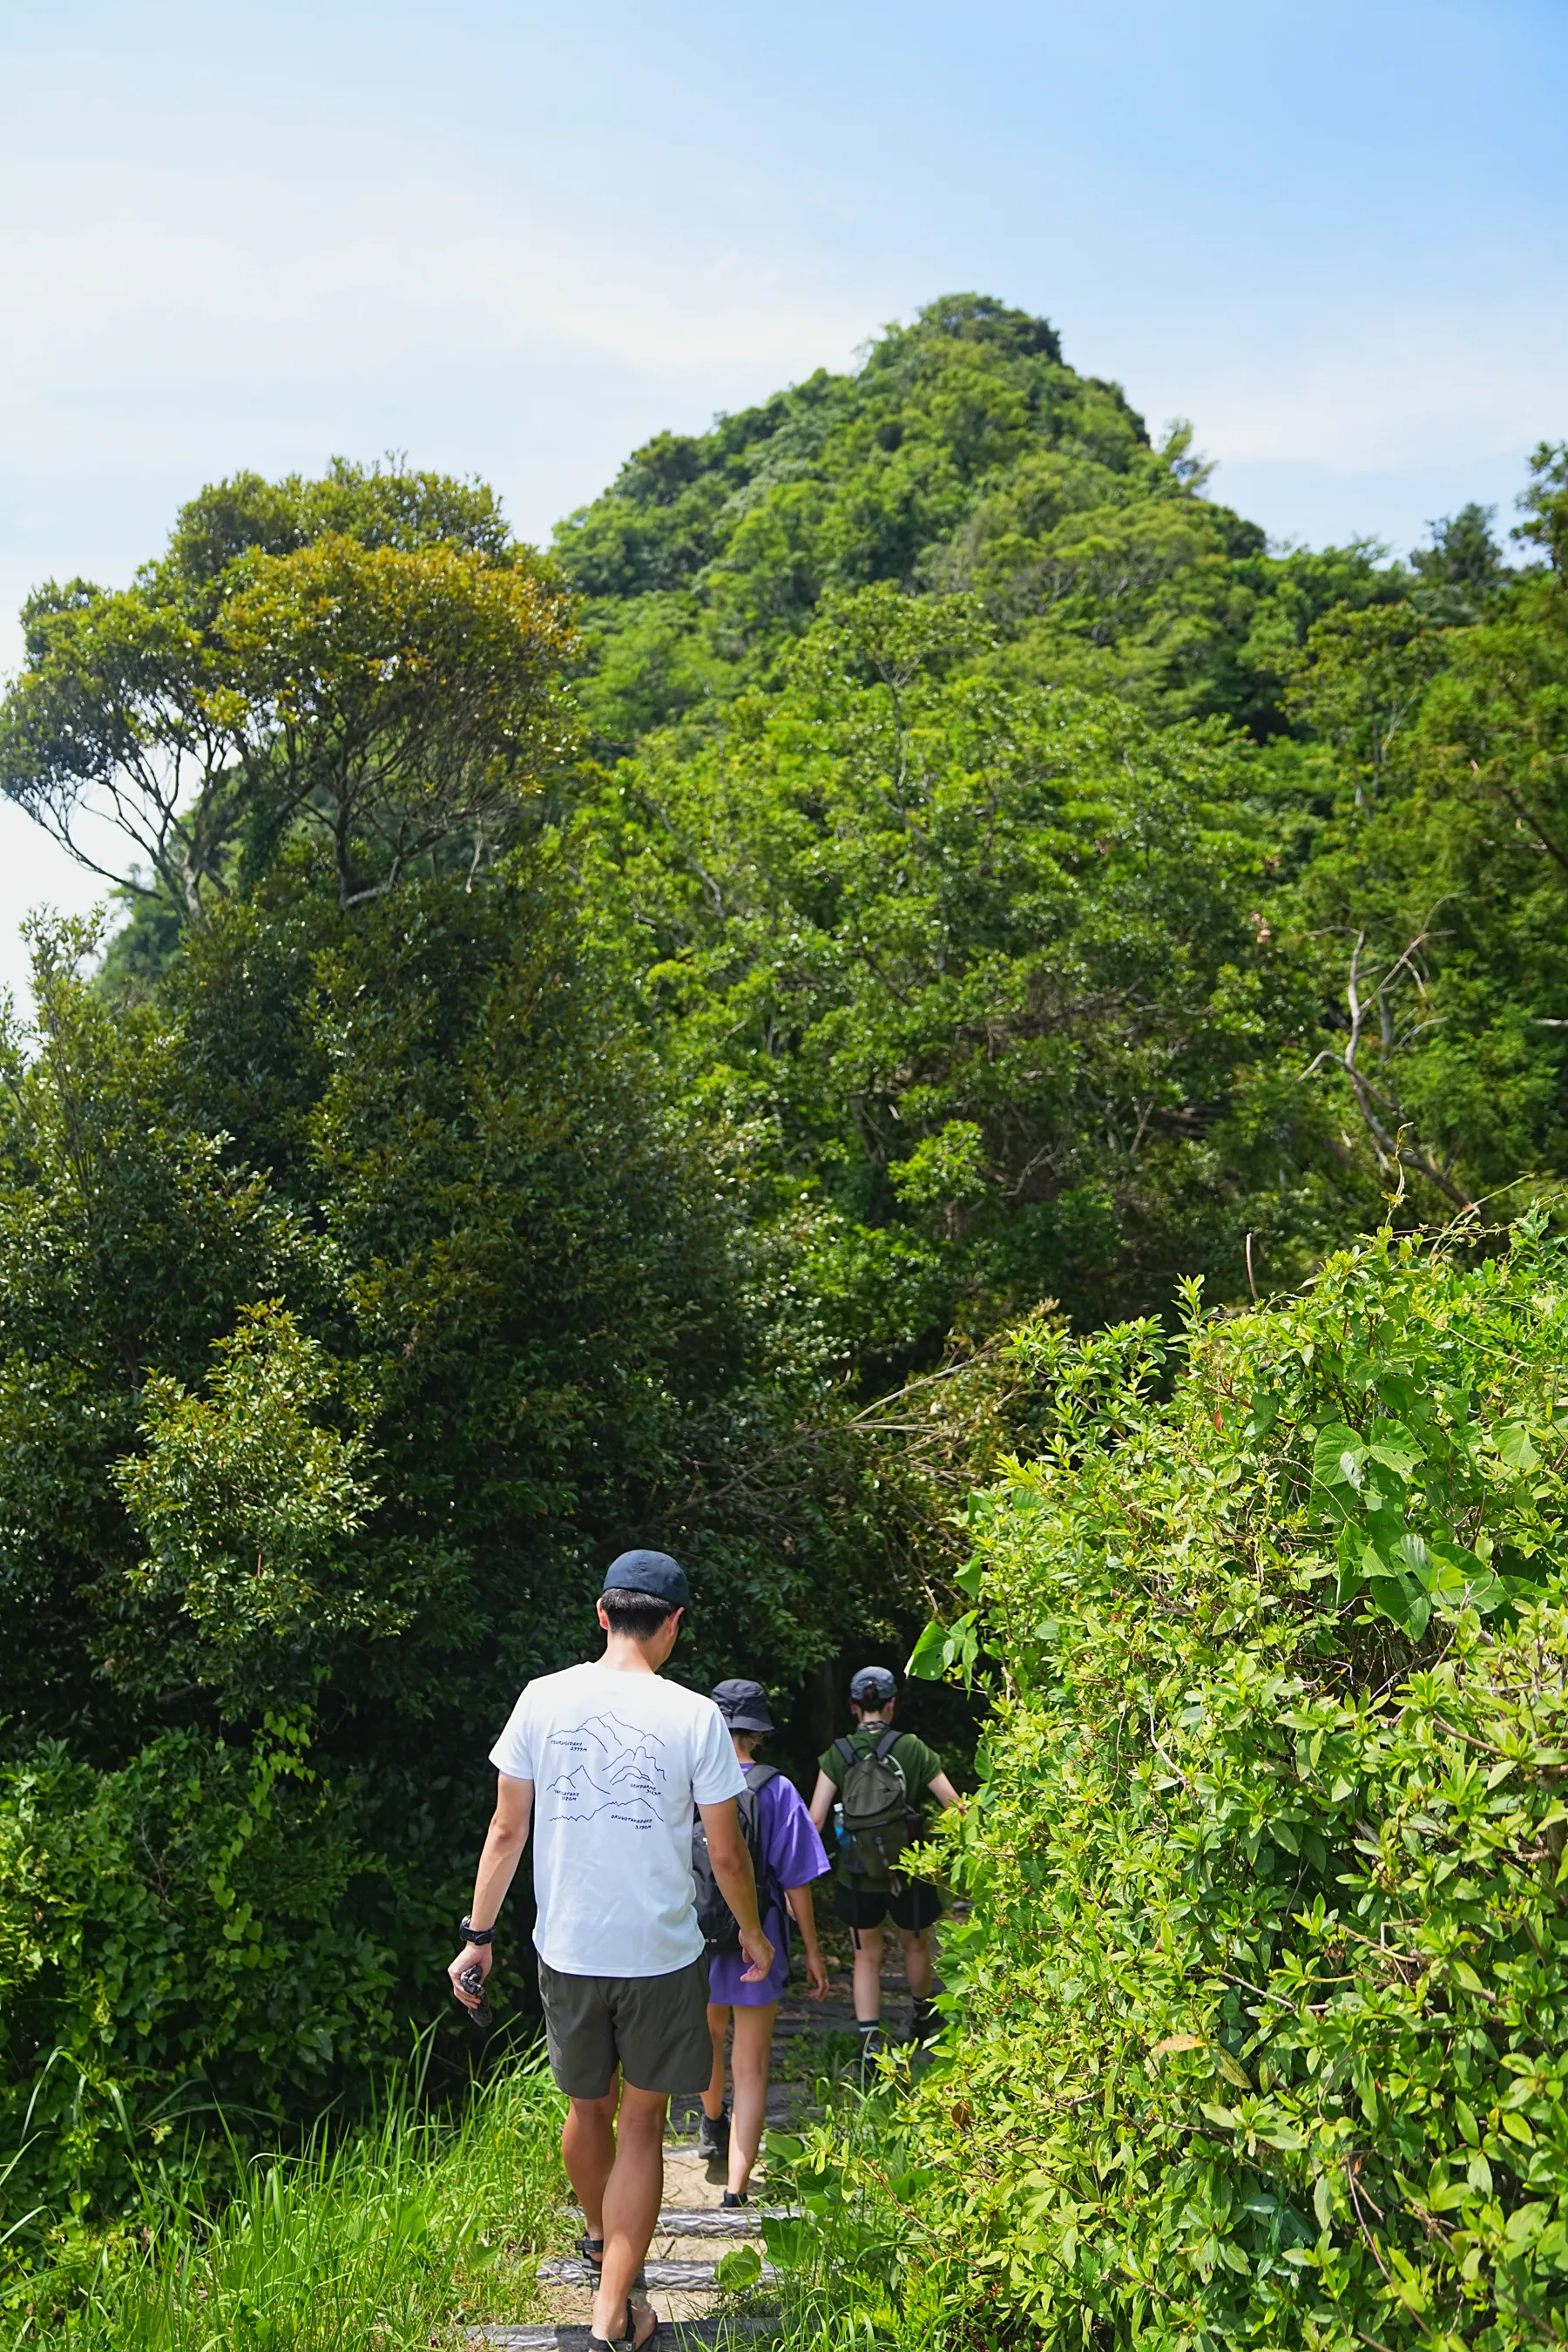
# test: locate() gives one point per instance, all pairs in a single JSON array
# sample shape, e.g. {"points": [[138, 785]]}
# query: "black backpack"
{"points": [[879, 1821], [721, 1929]]}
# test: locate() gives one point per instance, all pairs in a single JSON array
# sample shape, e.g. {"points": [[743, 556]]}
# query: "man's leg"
{"points": [[749, 2060], [631, 2199], [718, 2026], [918, 1961], [713, 2131], [588, 2150], [867, 1976]]}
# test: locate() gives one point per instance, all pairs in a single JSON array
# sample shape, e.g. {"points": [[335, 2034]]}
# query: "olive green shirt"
{"points": [[919, 1764]]}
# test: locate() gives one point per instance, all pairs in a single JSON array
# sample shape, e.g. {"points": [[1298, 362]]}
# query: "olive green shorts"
{"points": [[654, 2029]]}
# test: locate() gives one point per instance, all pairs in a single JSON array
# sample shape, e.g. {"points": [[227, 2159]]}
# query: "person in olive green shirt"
{"points": [[863, 1903]]}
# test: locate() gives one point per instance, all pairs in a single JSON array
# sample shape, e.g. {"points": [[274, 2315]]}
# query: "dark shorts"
{"points": [[860, 1903], [654, 2029]]}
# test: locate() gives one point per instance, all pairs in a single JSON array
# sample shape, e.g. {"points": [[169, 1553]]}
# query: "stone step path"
{"points": [[570, 2271], [719, 2221], [684, 2254], [711, 2221], [694, 2233], [712, 2334]]}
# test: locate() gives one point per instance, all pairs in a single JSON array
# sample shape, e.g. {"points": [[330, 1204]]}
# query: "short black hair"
{"points": [[640, 1614]]}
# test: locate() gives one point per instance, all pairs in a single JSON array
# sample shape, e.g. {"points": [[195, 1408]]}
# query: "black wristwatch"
{"points": [[476, 1935]]}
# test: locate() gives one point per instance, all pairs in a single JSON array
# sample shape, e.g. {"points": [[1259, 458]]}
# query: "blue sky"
{"points": [[515, 241]]}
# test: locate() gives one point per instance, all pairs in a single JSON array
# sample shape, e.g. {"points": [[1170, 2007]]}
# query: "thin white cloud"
{"points": [[1406, 392]]}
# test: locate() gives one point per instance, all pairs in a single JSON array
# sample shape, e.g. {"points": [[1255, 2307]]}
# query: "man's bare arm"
{"points": [[502, 1851], [943, 1789], [823, 1798], [732, 1859]]}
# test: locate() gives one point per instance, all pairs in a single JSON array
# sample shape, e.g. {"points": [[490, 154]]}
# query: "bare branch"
{"points": [[1394, 1151]]}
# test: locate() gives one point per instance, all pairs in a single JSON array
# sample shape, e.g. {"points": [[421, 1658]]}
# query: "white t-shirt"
{"points": [[617, 1761]]}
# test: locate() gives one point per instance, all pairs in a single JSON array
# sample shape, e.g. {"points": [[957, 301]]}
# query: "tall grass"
{"points": [[389, 2239], [840, 2258]]}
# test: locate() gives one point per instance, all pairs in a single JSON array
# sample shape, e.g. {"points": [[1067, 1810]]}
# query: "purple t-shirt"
{"points": [[792, 1856]]}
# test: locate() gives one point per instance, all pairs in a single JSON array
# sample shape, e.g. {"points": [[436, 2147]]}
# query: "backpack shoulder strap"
{"points": [[760, 1775], [845, 1749], [886, 1745]]}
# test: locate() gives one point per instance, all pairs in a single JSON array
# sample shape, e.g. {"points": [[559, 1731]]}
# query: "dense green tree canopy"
{"points": [[605, 1044], [965, 453], [370, 655], [357, 1303], [1442, 875], [985, 966]]}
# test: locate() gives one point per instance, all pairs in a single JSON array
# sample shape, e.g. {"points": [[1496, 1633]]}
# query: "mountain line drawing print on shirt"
{"points": [[620, 1773]]}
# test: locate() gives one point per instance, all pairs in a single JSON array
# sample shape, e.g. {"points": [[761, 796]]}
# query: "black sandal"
{"points": [[592, 2250], [601, 2344]]}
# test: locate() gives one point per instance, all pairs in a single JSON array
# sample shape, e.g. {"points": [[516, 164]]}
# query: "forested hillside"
{"points": [[963, 458], [606, 1046], [1061, 886]]}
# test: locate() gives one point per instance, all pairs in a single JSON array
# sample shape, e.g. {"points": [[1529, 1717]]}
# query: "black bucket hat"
{"points": [[742, 1704]]}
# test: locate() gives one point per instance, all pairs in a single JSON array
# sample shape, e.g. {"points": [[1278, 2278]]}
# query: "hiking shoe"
{"points": [[713, 2135], [925, 2024], [734, 2197]]}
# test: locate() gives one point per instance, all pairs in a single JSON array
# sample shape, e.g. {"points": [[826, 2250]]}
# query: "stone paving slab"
{"points": [[714, 2221], [568, 2270], [678, 2336]]}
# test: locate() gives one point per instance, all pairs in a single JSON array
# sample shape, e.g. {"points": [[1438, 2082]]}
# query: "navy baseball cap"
{"points": [[742, 1704], [650, 1572], [872, 1683]]}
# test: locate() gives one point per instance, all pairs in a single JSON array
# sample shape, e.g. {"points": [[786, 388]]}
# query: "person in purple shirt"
{"points": [[792, 1856]]}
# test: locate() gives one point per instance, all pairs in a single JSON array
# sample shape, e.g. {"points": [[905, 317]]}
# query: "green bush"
{"points": [[171, 1934], [1259, 2014]]}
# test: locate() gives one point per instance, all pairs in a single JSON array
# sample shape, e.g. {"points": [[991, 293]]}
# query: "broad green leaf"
{"points": [[1411, 1551], [927, 1662], [1397, 1449], [788, 2242], [1399, 1600], [1264, 1414], [1280, 2134], [1339, 1456], [1513, 1443], [1526, 2222], [961, 1646], [741, 2268], [1373, 1562]]}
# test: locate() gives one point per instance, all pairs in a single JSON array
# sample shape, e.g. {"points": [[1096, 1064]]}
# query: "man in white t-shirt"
{"points": [[608, 1762]]}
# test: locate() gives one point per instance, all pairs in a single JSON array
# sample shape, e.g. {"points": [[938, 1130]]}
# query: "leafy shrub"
{"points": [[1263, 1994], [172, 1934]]}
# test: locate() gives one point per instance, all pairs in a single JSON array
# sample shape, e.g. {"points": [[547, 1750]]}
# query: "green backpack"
{"points": [[879, 1821]]}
